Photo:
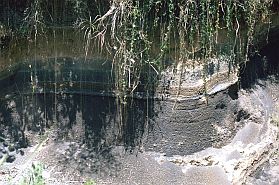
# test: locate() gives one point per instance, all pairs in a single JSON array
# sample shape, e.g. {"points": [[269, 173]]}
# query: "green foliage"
{"points": [[3, 30], [79, 6], [35, 176], [33, 22], [89, 182], [132, 25], [141, 34], [87, 26]]}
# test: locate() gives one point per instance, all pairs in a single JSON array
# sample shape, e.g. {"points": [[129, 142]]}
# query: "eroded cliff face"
{"points": [[194, 100], [177, 151], [42, 94], [54, 82]]}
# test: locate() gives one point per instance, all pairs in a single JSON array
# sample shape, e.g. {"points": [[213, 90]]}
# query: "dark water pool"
{"points": [[62, 94]]}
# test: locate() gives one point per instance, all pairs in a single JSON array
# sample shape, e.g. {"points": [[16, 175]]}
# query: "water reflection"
{"points": [[74, 100]]}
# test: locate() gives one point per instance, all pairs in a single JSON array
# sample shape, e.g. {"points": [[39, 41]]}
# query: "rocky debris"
{"points": [[10, 150], [234, 161], [10, 158], [101, 162], [251, 147], [266, 174], [230, 163], [21, 152]]}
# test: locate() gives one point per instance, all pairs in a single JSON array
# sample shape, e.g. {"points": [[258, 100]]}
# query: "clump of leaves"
{"points": [[129, 27], [3, 31], [33, 22], [89, 182], [35, 176]]}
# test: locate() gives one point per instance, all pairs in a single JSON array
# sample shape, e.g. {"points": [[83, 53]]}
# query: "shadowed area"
{"points": [[75, 99], [263, 63]]}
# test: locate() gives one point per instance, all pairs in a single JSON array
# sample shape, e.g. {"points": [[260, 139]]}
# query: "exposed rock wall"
{"points": [[184, 81], [190, 125]]}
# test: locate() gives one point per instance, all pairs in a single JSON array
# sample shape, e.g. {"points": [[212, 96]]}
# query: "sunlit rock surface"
{"points": [[251, 147], [195, 78]]}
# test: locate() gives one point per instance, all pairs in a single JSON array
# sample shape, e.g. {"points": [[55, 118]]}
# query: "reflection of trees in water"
{"points": [[11, 124], [74, 100], [100, 117], [105, 123]]}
